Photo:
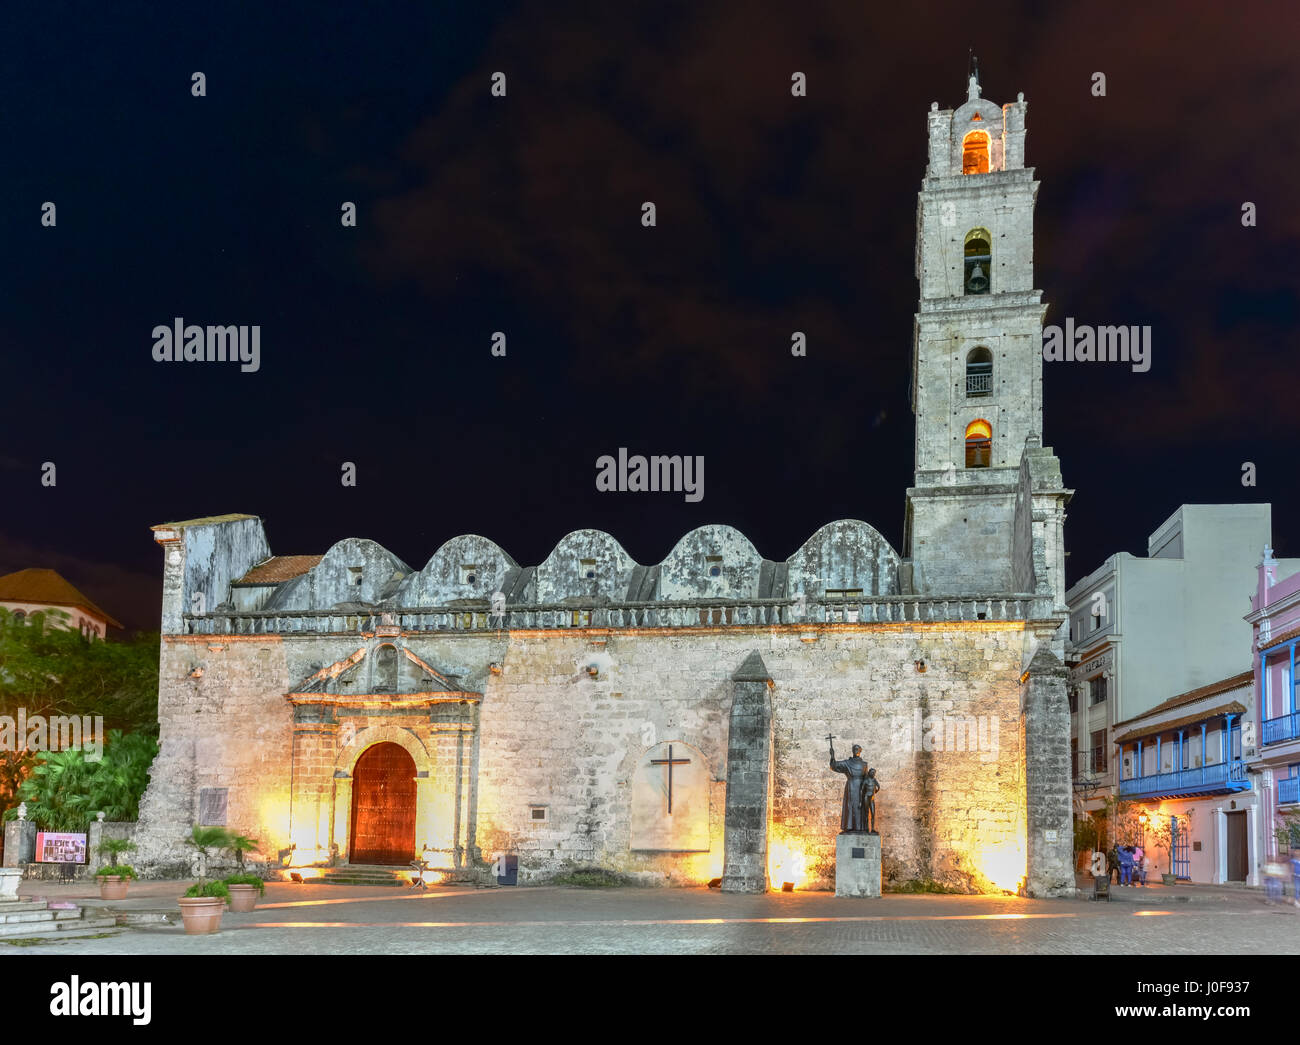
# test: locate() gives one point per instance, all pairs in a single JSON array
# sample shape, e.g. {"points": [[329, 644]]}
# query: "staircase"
{"points": [[384, 875], [367, 874], [20, 919]]}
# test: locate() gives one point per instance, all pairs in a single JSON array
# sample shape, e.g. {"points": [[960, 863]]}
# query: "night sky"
{"points": [[478, 214]]}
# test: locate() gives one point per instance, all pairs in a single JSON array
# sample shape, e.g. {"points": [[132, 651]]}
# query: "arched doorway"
{"points": [[383, 806]]}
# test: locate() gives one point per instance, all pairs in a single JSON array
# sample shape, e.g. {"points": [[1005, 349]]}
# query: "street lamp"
{"points": [[1144, 819]]}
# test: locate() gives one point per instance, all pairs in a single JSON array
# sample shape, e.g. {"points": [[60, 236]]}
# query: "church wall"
{"points": [[550, 734], [227, 726], [945, 814]]}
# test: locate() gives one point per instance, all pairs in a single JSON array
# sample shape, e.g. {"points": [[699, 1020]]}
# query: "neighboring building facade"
{"points": [[1182, 762], [1273, 728], [671, 719], [1145, 630], [40, 591]]}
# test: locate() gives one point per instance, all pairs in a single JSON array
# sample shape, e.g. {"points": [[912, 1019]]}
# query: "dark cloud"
{"points": [[775, 214]]}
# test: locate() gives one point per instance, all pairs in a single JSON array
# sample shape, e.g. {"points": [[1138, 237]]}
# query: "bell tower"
{"points": [[977, 381]]}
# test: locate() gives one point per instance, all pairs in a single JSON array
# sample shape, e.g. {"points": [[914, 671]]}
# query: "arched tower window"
{"points": [[979, 373], [979, 444], [979, 262], [975, 153]]}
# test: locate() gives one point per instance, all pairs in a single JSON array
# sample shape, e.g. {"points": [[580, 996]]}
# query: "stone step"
{"points": [[363, 880], [37, 914], [64, 927], [20, 906]]}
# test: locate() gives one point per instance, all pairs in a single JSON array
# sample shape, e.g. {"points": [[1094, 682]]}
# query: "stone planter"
{"points": [[202, 914], [1168, 879], [243, 898], [113, 887]]}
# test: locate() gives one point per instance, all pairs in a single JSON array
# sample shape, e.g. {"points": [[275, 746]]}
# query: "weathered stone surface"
{"points": [[20, 842], [465, 570], [688, 571], [843, 556], [353, 572], [1047, 768], [749, 779], [588, 566], [857, 864]]}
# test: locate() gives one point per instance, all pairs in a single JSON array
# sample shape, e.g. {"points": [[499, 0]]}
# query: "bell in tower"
{"points": [[979, 258]]}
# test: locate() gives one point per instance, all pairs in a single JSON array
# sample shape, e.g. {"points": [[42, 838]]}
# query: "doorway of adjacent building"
{"points": [[383, 807], [1238, 856]]}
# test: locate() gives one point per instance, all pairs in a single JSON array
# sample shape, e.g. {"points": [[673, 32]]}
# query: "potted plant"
{"points": [[205, 902], [245, 890], [114, 878]]}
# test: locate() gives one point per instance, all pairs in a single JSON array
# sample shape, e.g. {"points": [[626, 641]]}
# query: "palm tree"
{"points": [[206, 840]]}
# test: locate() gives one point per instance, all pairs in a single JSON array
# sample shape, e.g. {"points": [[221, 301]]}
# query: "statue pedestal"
{"points": [[10, 879], [857, 864], [20, 843]]}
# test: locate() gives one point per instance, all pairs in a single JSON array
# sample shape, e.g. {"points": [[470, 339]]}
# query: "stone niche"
{"points": [[686, 828]]}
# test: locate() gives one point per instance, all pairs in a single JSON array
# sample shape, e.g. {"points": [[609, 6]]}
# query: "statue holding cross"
{"points": [[857, 813]]}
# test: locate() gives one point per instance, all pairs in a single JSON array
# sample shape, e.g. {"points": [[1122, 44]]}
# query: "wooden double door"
{"points": [[383, 807]]}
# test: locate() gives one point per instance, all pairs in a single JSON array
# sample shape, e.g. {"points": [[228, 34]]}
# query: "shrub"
{"points": [[211, 889], [247, 879], [121, 870]]}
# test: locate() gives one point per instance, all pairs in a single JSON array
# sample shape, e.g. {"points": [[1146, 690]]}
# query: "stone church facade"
{"points": [[669, 720]]}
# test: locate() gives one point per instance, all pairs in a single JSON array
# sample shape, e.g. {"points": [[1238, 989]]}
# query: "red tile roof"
{"points": [[1234, 707], [279, 568], [1193, 695], [49, 588]]}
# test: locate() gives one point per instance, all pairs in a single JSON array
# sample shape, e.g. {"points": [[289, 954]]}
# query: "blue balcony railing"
{"points": [[1203, 780], [1288, 790], [1286, 727]]}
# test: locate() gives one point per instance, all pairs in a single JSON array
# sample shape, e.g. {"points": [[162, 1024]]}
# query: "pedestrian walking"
{"points": [[1125, 865]]}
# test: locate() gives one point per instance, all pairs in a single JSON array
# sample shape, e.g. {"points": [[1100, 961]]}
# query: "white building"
{"points": [[1146, 630]]}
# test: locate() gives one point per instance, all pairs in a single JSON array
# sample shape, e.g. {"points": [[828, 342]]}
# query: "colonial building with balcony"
{"points": [[1182, 761], [1145, 631], [1275, 621]]}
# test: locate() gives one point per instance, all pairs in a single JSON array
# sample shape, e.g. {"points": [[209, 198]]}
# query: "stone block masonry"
{"points": [[550, 735]]}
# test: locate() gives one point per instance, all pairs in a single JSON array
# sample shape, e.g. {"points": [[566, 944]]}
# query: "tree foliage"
{"points": [[63, 792], [47, 669], [52, 670]]}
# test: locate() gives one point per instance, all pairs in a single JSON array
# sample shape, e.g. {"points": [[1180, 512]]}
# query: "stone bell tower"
{"points": [[977, 383]]}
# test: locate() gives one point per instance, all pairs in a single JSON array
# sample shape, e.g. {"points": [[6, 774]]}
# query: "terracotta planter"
{"points": [[243, 897], [112, 887], [202, 914]]}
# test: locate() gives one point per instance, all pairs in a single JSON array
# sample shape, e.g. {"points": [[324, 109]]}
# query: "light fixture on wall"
{"points": [[920, 667]]}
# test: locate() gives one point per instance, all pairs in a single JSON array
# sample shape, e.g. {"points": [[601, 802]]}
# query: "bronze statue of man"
{"points": [[869, 788], [853, 813]]}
